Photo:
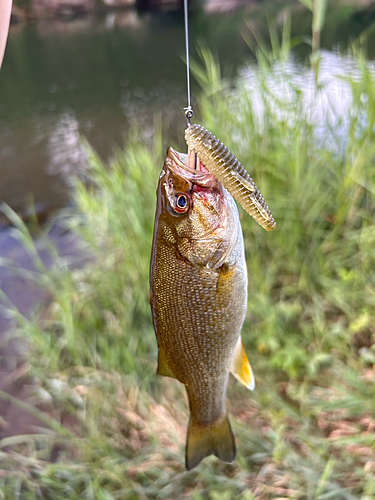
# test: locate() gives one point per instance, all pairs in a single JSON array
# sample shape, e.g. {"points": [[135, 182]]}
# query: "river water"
{"points": [[95, 76]]}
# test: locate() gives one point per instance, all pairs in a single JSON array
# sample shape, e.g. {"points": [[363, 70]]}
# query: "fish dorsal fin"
{"points": [[163, 366], [241, 367]]}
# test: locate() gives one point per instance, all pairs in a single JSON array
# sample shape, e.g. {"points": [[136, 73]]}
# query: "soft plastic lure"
{"points": [[222, 163]]}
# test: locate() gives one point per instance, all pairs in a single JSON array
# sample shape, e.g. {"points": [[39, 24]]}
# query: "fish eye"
{"points": [[182, 203]]}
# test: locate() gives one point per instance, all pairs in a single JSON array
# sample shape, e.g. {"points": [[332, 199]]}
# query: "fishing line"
{"points": [[189, 110]]}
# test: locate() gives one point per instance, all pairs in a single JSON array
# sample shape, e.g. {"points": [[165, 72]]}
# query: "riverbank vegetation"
{"points": [[308, 430]]}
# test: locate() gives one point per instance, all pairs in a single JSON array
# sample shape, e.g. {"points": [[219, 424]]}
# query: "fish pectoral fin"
{"points": [[163, 366], [215, 439], [241, 367]]}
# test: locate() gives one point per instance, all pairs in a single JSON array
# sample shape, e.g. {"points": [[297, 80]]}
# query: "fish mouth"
{"points": [[179, 163]]}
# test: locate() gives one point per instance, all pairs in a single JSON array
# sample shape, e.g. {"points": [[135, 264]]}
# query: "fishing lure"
{"points": [[222, 163]]}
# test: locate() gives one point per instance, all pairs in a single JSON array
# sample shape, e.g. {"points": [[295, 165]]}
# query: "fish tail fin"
{"points": [[216, 438]]}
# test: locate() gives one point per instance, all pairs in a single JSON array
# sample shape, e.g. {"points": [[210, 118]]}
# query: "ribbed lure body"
{"points": [[222, 163]]}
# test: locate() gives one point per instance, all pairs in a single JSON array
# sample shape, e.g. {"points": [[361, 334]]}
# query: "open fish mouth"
{"points": [[190, 167]]}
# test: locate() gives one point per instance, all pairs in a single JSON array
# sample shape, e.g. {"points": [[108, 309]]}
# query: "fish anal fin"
{"points": [[215, 439], [163, 366], [241, 367]]}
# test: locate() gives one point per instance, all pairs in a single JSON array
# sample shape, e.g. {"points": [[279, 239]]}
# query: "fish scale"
{"points": [[198, 299]]}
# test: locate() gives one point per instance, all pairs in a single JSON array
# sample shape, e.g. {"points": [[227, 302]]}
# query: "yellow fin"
{"points": [[241, 367], [216, 439], [163, 367]]}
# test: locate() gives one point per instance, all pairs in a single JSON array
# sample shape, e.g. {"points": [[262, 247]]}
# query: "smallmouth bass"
{"points": [[198, 299]]}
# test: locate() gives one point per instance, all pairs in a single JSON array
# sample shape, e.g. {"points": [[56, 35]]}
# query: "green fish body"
{"points": [[198, 299]]}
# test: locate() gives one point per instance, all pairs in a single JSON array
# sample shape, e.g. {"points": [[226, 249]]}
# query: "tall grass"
{"points": [[318, 9], [307, 432]]}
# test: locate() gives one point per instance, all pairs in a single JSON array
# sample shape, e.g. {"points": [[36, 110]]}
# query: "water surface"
{"points": [[95, 76]]}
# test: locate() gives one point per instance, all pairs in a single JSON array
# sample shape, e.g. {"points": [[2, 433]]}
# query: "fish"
{"points": [[221, 162], [198, 297]]}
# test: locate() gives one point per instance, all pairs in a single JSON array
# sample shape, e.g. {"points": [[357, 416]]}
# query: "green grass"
{"points": [[308, 430]]}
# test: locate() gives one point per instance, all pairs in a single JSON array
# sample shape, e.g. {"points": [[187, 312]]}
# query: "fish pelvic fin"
{"points": [[214, 439], [241, 367], [163, 366]]}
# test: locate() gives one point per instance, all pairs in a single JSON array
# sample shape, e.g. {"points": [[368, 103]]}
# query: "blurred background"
{"points": [[82, 68], [91, 95]]}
